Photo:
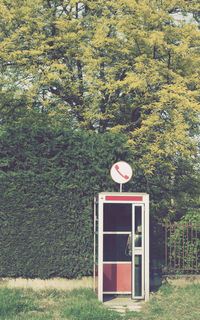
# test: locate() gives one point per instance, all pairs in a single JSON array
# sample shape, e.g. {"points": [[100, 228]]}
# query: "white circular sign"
{"points": [[121, 172]]}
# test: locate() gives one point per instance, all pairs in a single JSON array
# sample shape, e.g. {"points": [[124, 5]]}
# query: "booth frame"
{"points": [[135, 199]]}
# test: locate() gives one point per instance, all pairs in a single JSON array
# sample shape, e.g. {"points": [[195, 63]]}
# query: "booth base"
{"points": [[123, 303]]}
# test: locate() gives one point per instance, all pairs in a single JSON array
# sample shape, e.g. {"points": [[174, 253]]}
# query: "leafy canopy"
{"points": [[126, 66]]}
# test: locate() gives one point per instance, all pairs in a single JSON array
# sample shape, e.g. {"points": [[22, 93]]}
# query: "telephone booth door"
{"points": [[122, 239]]}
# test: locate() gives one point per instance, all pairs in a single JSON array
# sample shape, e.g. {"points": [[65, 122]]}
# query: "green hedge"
{"points": [[48, 178]]}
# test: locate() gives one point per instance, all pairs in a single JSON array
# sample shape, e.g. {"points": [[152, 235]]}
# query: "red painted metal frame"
{"points": [[124, 198]]}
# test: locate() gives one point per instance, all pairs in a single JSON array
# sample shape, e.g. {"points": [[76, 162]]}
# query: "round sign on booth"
{"points": [[121, 172]]}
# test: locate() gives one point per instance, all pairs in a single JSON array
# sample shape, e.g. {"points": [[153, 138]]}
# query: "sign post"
{"points": [[121, 172]]}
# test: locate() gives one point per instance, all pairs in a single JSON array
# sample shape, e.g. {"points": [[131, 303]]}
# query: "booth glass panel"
{"points": [[138, 276], [138, 226], [117, 217], [115, 247]]}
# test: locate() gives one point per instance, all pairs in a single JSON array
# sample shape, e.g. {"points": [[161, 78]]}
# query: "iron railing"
{"points": [[182, 248]]}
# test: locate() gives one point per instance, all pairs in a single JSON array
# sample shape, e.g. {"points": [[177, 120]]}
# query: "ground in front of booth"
{"points": [[122, 304], [169, 302]]}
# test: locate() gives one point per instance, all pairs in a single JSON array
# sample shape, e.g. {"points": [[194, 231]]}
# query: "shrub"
{"points": [[48, 179]]}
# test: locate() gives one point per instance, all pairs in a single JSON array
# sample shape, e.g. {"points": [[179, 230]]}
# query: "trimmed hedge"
{"points": [[48, 178]]}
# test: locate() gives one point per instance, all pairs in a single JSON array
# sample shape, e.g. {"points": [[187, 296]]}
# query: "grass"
{"points": [[82, 304], [14, 302], [173, 303], [169, 303]]}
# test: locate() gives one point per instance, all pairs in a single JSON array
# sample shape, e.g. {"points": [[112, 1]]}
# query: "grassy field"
{"points": [[168, 303]]}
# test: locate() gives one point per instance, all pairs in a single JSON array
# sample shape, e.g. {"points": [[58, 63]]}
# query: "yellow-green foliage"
{"points": [[126, 66]]}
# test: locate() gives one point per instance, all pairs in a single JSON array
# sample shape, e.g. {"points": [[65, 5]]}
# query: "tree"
{"points": [[97, 63], [126, 66]]}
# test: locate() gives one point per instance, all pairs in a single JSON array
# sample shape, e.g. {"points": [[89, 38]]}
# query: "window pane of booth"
{"points": [[115, 247], [117, 217], [138, 275], [138, 226]]}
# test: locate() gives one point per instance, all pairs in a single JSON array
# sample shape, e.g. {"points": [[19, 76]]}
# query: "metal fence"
{"points": [[182, 248]]}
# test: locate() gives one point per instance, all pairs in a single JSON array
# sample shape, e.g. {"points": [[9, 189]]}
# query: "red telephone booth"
{"points": [[121, 242]]}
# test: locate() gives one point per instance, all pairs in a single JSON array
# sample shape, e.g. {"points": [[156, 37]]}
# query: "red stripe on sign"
{"points": [[124, 198]]}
